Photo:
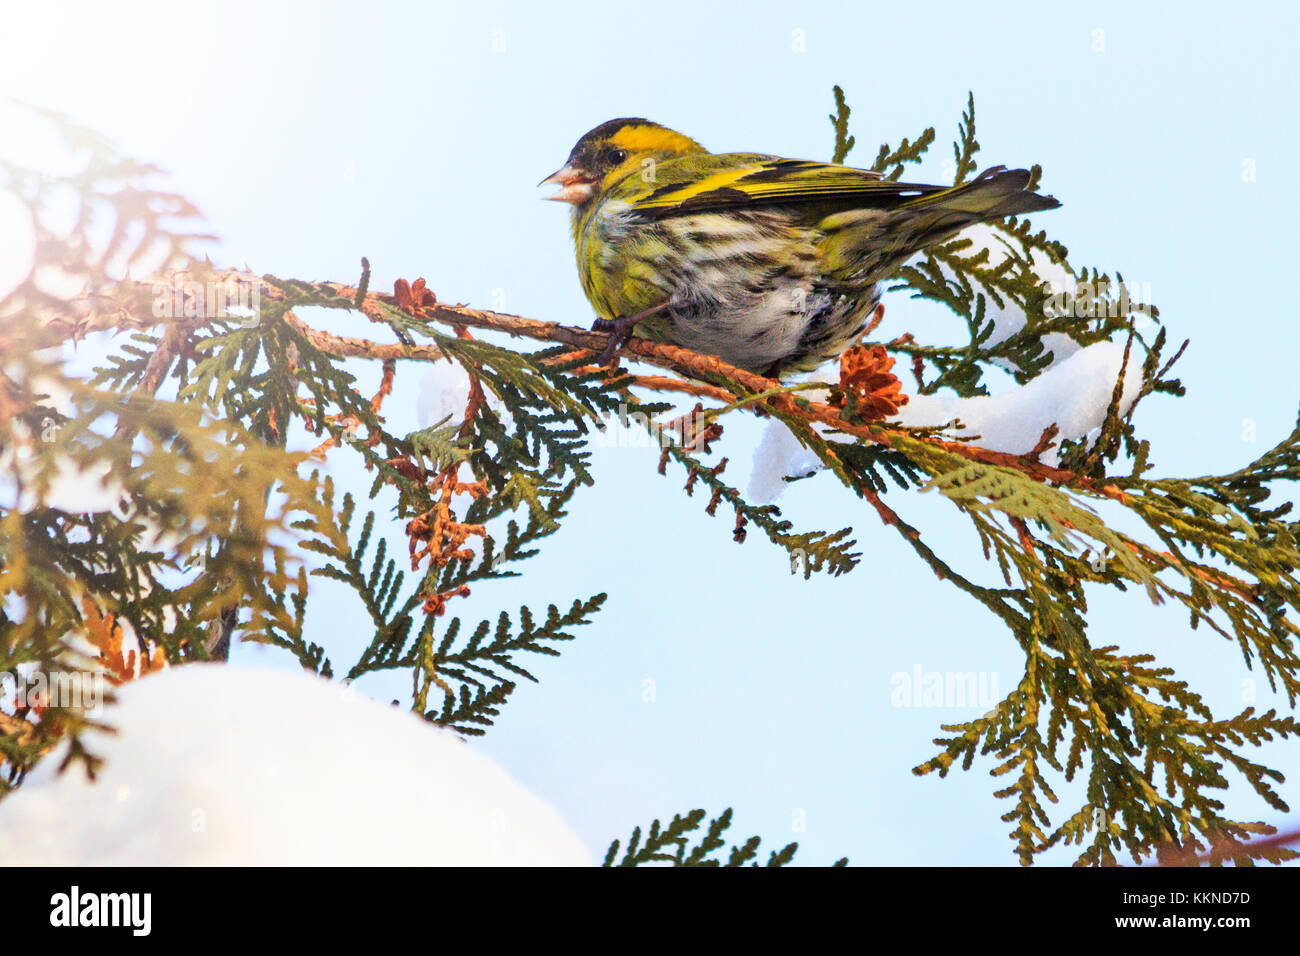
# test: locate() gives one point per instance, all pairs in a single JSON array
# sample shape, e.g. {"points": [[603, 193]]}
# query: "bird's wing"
{"points": [[739, 181]]}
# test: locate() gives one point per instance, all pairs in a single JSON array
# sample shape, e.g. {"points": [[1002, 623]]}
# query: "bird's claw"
{"points": [[620, 330]]}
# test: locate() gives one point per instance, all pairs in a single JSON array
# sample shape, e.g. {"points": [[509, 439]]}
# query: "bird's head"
{"points": [[613, 151]]}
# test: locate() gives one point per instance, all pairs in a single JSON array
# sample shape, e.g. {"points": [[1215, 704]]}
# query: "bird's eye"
{"points": [[616, 156]]}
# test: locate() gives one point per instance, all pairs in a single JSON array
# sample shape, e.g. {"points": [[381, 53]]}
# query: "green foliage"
{"points": [[964, 150], [840, 121], [1225, 552], [184, 538], [682, 843], [809, 551]]}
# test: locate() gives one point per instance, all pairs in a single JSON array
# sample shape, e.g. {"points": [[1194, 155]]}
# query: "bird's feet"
{"points": [[620, 330]]}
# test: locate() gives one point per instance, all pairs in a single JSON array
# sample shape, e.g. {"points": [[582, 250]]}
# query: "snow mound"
{"points": [[1074, 395], [777, 457], [214, 765]]}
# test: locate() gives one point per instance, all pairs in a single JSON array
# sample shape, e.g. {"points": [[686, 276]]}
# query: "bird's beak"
{"points": [[577, 185]]}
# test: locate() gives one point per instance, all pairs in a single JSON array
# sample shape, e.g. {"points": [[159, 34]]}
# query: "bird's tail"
{"points": [[994, 194], [865, 245]]}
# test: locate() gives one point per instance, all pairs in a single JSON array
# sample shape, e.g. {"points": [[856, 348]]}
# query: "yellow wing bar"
{"points": [[732, 185]]}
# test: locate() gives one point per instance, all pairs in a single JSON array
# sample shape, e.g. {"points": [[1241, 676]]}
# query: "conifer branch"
{"points": [[671, 845]]}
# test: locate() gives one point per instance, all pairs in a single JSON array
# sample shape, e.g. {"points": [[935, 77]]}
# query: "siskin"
{"points": [[771, 264]]}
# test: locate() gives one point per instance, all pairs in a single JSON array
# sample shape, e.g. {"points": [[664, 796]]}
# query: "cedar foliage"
{"points": [[212, 426]]}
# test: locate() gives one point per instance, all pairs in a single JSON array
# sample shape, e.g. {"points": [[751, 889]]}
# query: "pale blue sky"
{"points": [[314, 134]]}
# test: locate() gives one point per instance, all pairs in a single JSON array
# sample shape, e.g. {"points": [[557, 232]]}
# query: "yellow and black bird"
{"points": [[771, 264]]}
